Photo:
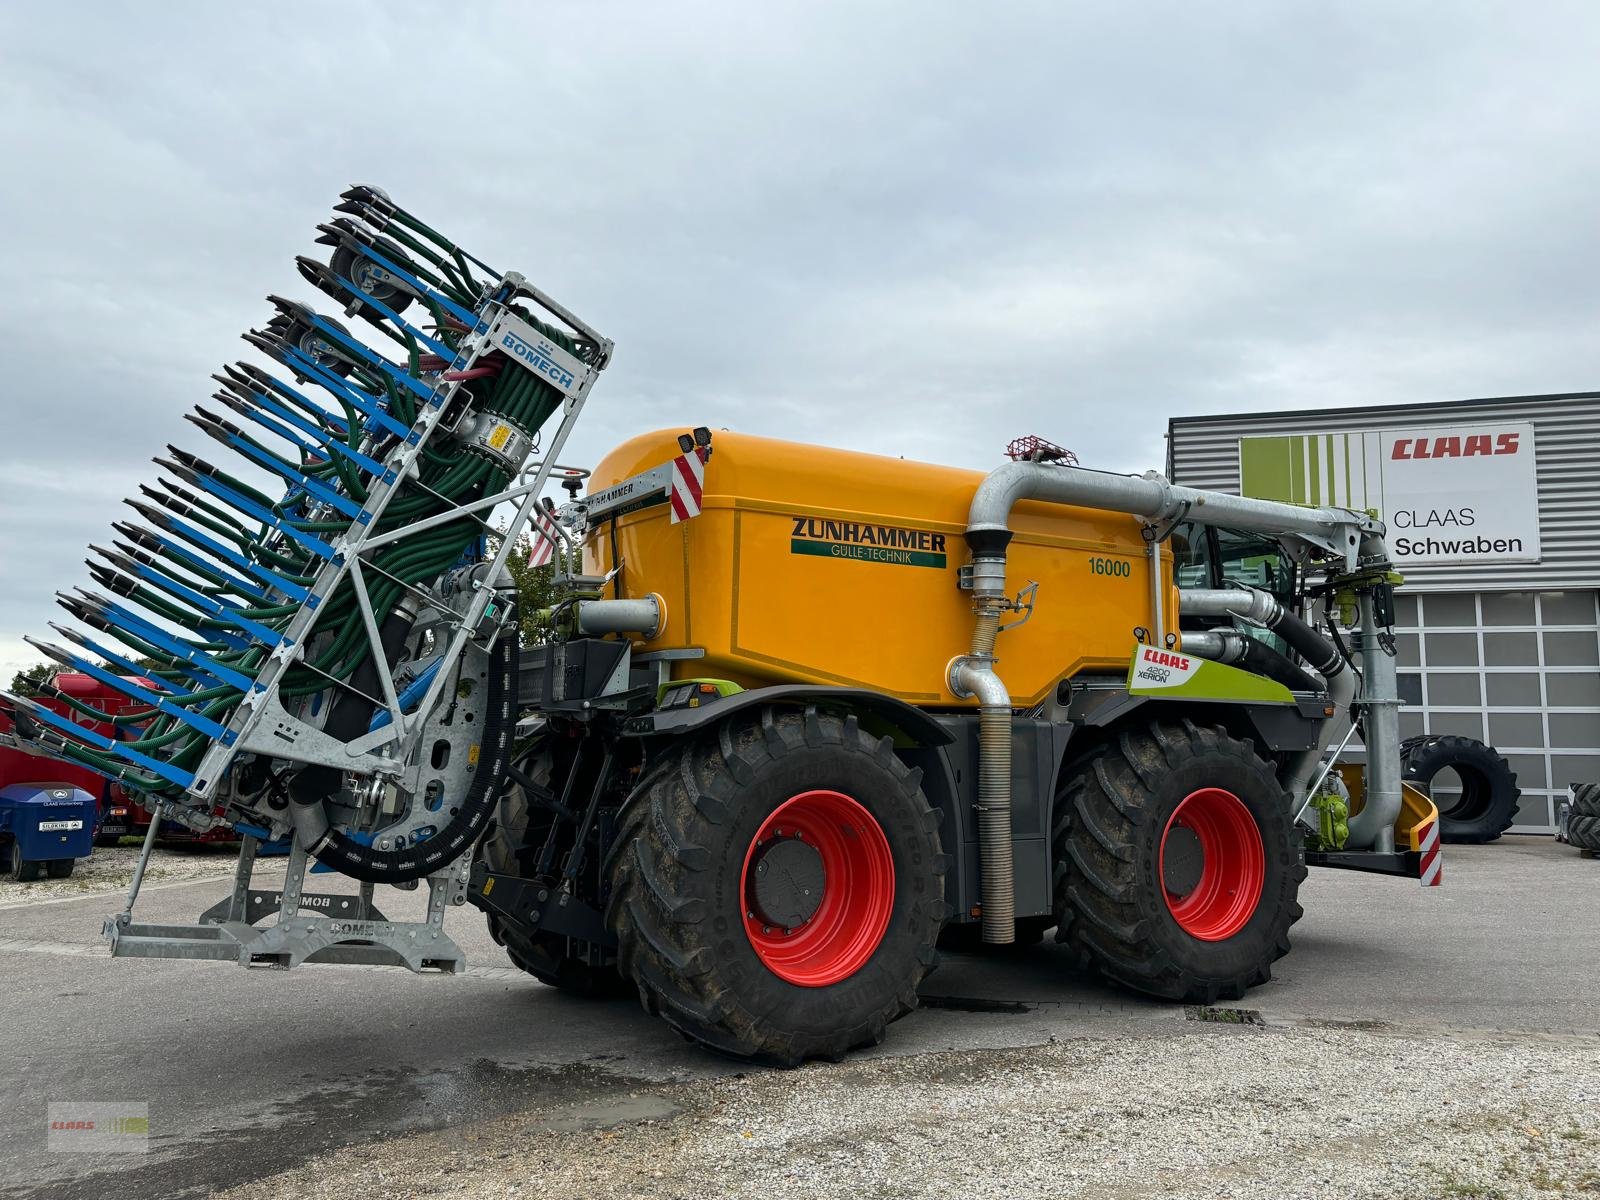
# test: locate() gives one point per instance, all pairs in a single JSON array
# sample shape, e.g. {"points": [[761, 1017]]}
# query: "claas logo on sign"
{"points": [[1474, 446]]}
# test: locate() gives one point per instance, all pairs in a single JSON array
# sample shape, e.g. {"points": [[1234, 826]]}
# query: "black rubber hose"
{"points": [[475, 810], [1320, 654], [1262, 659]]}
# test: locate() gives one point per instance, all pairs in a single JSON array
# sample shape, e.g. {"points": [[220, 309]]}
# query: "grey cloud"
{"points": [[913, 229]]}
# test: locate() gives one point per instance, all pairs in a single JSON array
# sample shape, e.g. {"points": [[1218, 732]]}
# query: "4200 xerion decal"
{"points": [[867, 543]]}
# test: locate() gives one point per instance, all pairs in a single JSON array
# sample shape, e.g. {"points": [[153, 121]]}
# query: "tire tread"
{"points": [[665, 944], [1099, 815]]}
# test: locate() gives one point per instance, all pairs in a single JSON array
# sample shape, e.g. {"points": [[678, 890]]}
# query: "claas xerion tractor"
{"points": [[796, 714]]}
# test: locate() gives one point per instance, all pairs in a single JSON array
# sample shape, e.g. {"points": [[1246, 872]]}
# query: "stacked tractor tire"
{"points": [[1583, 821]]}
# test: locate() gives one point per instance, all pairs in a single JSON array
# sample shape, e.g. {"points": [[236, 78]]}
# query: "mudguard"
{"points": [[913, 726]]}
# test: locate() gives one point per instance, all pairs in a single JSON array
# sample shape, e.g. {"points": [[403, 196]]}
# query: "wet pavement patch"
{"points": [[351, 1111], [975, 1004]]}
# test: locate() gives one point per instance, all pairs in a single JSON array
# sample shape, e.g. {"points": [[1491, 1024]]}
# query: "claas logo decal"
{"points": [[867, 543], [1474, 445], [1162, 668]]}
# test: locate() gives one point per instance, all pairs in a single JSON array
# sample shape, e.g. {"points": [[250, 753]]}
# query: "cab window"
{"points": [[1251, 560], [1205, 557]]}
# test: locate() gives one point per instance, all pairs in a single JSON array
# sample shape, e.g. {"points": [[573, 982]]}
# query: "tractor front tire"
{"points": [[519, 831], [777, 887], [1177, 865]]}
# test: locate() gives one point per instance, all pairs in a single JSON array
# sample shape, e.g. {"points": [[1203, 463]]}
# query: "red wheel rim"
{"points": [[1233, 866], [857, 890]]}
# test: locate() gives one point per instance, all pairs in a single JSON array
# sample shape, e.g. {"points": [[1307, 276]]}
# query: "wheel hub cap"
{"points": [[788, 882], [1182, 861]]}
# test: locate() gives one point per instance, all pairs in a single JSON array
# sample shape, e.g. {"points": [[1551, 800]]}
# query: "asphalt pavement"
{"points": [[251, 1072]]}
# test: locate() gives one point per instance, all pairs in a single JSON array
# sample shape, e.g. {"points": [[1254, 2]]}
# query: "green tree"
{"points": [[535, 592], [30, 680]]}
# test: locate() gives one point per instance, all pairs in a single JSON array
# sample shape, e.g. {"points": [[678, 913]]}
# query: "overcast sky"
{"points": [[915, 229]]}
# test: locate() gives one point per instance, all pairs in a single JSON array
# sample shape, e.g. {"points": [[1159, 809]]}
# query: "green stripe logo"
{"points": [[1338, 469], [882, 554]]}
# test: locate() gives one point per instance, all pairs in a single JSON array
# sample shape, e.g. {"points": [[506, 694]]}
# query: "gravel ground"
{"points": [[110, 869], [1192, 1110]]}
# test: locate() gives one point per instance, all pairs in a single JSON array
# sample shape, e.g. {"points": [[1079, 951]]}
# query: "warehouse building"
{"points": [[1492, 507]]}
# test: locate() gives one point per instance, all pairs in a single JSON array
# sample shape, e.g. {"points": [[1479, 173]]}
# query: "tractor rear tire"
{"points": [[1489, 792], [777, 888], [548, 957], [61, 868], [1583, 832], [1177, 863], [25, 872]]}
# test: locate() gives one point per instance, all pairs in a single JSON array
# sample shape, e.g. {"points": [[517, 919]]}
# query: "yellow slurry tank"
{"points": [[813, 565]]}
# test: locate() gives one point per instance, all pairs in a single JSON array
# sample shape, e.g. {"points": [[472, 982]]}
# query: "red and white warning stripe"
{"points": [[1431, 868], [544, 538], [688, 480]]}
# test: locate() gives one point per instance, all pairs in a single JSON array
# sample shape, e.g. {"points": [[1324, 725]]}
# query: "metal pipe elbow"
{"points": [[972, 677], [1255, 605], [998, 494]]}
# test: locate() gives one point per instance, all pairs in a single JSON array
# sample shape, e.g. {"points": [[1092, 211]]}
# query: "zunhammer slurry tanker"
{"points": [[799, 711]]}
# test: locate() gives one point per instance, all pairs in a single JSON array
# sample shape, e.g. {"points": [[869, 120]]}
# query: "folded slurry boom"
{"points": [[289, 639]]}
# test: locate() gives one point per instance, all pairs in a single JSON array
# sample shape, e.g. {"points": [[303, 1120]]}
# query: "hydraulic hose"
{"points": [[1321, 655]]}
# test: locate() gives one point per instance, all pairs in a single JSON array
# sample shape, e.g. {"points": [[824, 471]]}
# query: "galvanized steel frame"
{"points": [[260, 723]]}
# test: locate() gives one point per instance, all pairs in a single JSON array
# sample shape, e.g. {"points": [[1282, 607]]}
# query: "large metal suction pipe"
{"points": [[1152, 497], [974, 675], [1373, 826]]}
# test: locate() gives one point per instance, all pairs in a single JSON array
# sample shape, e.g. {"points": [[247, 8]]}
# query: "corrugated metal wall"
{"points": [[1204, 452]]}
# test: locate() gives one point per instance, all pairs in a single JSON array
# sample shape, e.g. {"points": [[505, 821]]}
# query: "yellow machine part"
{"points": [[1417, 811], [812, 565]]}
